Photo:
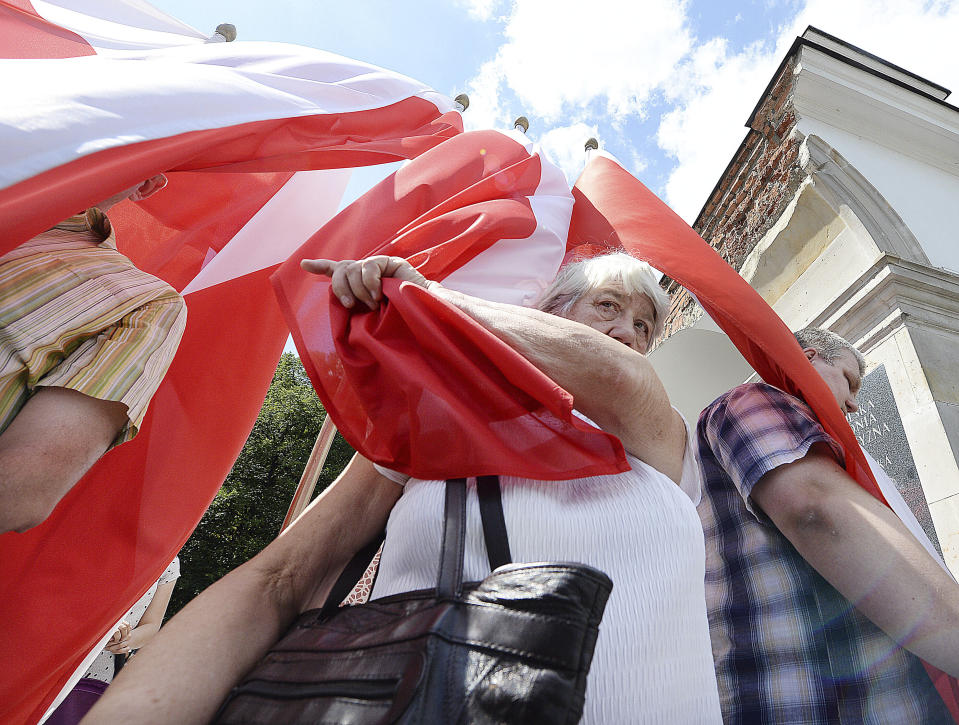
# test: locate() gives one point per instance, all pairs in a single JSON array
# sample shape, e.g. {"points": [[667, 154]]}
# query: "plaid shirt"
{"points": [[788, 647]]}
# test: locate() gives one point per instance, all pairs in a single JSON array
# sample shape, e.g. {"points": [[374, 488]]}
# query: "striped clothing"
{"points": [[788, 647], [75, 313]]}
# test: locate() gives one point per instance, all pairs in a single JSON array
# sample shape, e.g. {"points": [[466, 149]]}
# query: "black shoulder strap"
{"points": [[494, 523], [450, 580], [454, 535]]}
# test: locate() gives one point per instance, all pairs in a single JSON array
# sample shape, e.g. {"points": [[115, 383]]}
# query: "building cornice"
{"points": [[890, 294], [836, 93]]}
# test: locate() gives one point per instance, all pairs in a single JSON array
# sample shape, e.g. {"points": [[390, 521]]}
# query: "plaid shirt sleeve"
{"points": [[756, 428]]}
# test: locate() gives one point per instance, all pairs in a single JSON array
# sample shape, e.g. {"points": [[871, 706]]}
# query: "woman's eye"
{"points": [[641, 326]]}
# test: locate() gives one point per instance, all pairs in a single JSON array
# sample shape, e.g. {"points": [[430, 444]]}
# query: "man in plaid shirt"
{"points": [[792, 542]]}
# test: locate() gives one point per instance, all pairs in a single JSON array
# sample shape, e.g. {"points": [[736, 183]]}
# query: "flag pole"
{"points": [[311, 472]]}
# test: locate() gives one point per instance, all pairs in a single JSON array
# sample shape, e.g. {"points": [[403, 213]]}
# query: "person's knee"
{"points": [[53, 441], [24, 513], [30, 487]]}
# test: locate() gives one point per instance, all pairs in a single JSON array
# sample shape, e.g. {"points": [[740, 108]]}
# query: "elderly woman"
{"points": [[652, 661]]}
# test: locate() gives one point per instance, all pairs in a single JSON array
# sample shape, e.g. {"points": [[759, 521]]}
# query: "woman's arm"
{"points": [[149, 623], [184, 672], [612, 384]]}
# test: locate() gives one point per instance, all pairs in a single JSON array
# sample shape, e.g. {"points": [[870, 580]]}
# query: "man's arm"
{"points": [[612, 384], [185, 671], [51, 443], [860, 547]]}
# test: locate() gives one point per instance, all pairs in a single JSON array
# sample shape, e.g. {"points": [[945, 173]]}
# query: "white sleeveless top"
{"points": [[653, 661]]}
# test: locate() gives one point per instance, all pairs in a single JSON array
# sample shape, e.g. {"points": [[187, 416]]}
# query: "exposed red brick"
{"points": [[760, 181]]}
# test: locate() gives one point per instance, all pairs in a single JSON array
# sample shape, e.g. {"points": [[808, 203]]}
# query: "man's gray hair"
{"points": [[580, 277], [829, 345]]}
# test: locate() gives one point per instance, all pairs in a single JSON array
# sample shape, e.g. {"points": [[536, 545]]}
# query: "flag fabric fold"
{"points": [[254, 138], [76, 130], [614, 210], [416, 385]]}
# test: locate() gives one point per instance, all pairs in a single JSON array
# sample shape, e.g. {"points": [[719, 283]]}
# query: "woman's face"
{"points": [[612, 311]]}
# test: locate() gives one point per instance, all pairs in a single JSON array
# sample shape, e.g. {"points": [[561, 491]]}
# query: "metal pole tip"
{"points": [[227, 30], [522, 123], [463, 100], [592, 144]]}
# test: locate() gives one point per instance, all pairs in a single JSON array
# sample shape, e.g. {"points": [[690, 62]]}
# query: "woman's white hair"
{"points": [[582, 276]]}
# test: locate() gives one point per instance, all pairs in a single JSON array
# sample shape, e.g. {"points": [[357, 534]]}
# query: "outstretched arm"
{"points": [[612, 384], [184, 673], [861, 547]]}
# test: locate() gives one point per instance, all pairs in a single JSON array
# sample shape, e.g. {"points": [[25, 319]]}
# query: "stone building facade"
{"points": [[841, 208]]}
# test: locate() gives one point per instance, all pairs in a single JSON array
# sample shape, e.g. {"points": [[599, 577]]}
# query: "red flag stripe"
{"points": [[29, 207], [116, 531], [416, 385], [25, 34]]}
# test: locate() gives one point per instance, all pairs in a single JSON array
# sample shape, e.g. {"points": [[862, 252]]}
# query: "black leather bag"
{"points": [[513, 648]]}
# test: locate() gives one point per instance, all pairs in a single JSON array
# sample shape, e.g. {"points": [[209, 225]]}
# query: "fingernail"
{"points": [[345, 300]]}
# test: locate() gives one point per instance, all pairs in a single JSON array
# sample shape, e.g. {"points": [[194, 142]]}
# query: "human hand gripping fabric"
{"points": [[362, 280], [119, 642]]}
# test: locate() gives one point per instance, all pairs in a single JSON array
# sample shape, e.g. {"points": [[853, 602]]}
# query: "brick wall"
{"points": [[760, 181]]}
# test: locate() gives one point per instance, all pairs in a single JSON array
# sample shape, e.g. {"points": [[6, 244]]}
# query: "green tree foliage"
{"points": [[248, 510]]}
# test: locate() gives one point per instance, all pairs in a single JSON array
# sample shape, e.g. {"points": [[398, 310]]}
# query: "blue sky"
{"points": [[666, 85]]}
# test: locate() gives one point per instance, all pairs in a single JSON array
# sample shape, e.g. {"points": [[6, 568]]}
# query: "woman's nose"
{"points": [[623, 331]]}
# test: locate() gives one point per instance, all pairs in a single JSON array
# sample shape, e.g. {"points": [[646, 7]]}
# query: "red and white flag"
{"points": [[614, 210], [417, 385], [255, 139]]}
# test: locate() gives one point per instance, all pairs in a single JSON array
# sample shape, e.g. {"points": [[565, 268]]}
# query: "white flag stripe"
{"points": [[304, 204], [515, 271], [898, 504], [118, 24], [58, 110]]}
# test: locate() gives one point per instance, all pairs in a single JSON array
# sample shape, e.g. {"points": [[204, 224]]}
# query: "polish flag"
{"points": [[257, 140], [614, 210], [416, 385]]}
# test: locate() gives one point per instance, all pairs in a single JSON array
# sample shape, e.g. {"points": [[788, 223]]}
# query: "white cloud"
{"points": [[562, 55], [480, 10], [486, 109], [715, 90], [565, 146]]}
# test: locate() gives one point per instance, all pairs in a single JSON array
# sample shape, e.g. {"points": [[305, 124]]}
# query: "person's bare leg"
{"points": [[55, 439]]}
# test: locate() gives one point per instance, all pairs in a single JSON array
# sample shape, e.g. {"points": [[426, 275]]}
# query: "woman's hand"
{"points": [[119, 642], [362, 279]]}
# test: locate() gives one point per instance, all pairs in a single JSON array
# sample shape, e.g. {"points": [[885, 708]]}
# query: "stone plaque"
{"points": [[879, 429]]}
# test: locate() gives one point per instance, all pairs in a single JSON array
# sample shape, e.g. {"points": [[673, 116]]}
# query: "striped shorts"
{"points": [[76, 314]]}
